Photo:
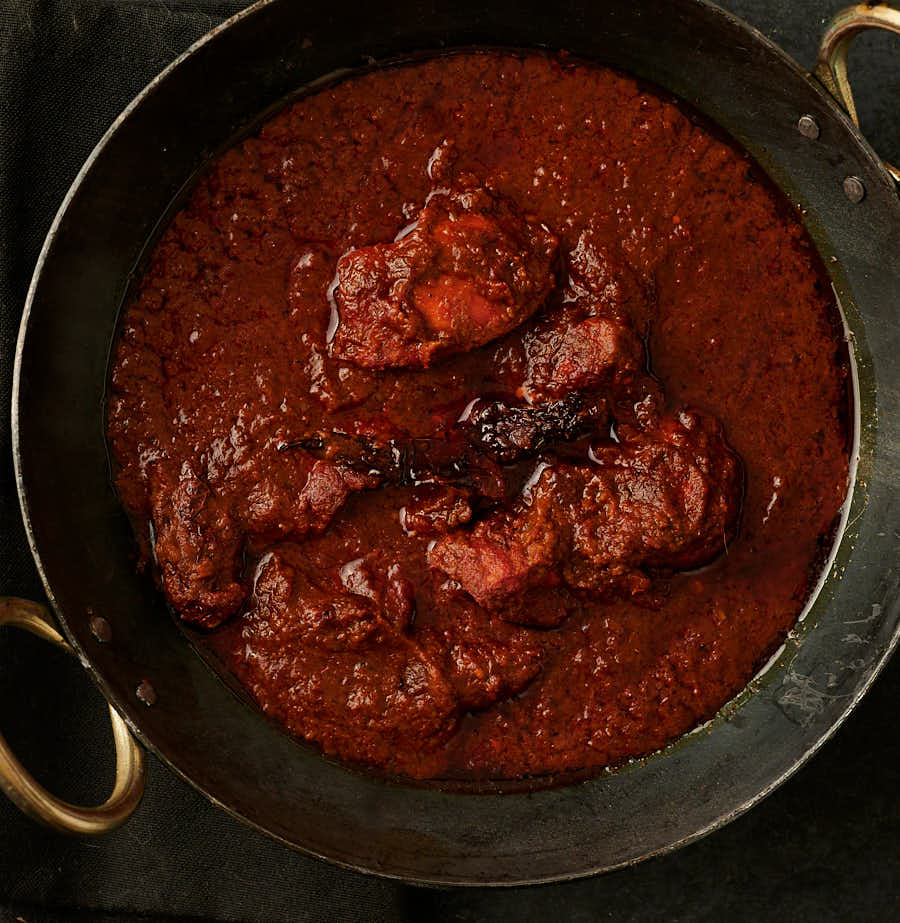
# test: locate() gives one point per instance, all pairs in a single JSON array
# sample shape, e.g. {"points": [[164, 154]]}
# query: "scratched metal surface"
{"points": [[823, 847]]}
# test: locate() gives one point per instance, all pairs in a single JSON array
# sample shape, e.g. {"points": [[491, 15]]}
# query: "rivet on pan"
{"points": [[146, 693], [854, 189], [100, 628], [808, 127]]}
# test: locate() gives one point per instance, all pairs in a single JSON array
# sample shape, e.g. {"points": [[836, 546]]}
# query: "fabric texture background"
{"points": [[825, 846]]}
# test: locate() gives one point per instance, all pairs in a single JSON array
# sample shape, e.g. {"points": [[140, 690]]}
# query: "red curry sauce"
{"points": [[490, 412]]}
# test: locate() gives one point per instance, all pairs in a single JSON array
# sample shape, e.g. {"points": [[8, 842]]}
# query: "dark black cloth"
{"points": [[825, 846]]}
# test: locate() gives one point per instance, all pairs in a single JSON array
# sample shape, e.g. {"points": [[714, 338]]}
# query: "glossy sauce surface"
{"points": [[343, 596]]}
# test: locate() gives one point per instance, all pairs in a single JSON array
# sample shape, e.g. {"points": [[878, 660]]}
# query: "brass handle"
{"points": [[33, 798], [831, 64]]}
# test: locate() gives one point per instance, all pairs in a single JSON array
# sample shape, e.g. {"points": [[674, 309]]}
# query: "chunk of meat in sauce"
{"points": [[344, 643], [385, 586], [434, 509], [574, 351], [197, 546], [484, 659], [330, 665], [591, 341], [200, 532], [472, 268], [283, 495], [665, 499]]}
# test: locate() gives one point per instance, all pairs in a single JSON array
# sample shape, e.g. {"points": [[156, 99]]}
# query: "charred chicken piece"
{"points": [[594, 340], [667, 499], [485, 659], [283, 495], [383, 583], [472, 268], [510, 432], [197, 546], [199, 531], [435, 509], [339, 666], [576, 350]]}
